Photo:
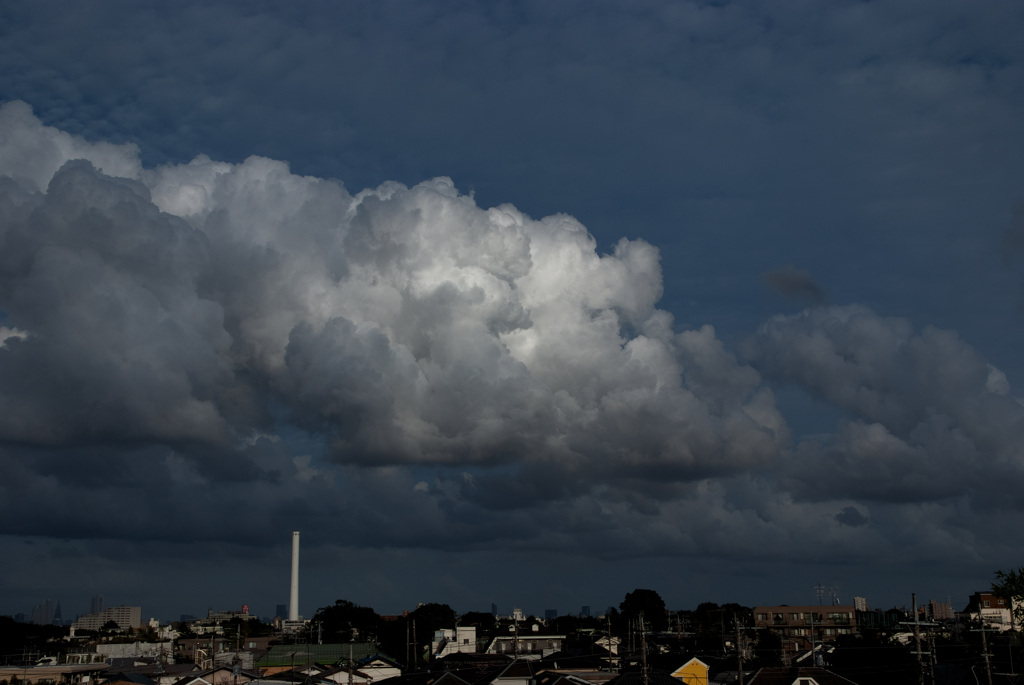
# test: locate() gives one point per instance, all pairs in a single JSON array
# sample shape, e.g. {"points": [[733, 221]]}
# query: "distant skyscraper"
{"points": [[494, 609], [57, 618], [282, 610], [42, 614], [96, 605], [585, 611], [860, 604]]}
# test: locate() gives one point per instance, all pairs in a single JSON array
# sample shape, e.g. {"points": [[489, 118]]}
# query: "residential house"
{"points": [[557, 678], [211, 650], [797, 676], [518, 672], [379, 667], [638, 677], [221, 675], [528, 644], [610, 644], [130, 678], [451, 640], [693, 672], [993, 611], [590, 668], [286, 657]]}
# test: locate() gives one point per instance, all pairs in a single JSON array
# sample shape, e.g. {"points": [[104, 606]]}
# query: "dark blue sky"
{"points": [[801, 367]]}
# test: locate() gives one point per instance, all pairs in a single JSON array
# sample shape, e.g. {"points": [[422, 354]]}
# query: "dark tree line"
{"points": [[19, 639], [405, 639]]}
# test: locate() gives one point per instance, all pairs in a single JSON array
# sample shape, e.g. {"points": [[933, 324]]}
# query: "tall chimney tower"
{"points": [[293, 604]]}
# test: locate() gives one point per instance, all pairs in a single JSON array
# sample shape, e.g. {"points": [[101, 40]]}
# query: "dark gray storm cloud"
{"points": [[796, 283], [194, 338], [929, 417], [203, 308], [190, 329]]}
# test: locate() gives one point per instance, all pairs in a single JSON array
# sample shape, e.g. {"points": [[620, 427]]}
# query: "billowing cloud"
{"points": [[192, 307], [192, 339], [928, 417]]}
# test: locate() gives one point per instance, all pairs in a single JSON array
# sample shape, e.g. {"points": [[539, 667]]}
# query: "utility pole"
{"points": [[721, 621], [917, 639], [611, 661], [916, 625], [739, 652], [814, 657], [643, 647], [984, 648], [934, 658], [1013, 674]]}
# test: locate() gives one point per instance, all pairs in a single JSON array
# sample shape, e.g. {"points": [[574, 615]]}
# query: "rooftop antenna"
{"points": [[834, 593], [820, 589]]}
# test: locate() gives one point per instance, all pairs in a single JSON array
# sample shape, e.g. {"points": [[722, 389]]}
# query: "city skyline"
{"points": [[827, 595], [824, 599], [511, 301]]}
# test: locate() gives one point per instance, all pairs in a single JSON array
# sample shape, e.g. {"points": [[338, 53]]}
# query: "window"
{"points": [[988, 603]]}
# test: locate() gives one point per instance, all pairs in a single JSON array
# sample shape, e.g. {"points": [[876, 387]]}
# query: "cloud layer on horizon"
{"points": [[422, 368]]}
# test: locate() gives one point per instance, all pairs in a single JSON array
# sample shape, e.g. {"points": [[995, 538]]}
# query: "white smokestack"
{"points": [[293, 605]]}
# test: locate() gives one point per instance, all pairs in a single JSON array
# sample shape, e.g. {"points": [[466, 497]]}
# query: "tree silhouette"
{"points": [[1010, 586], [347, 622], [646, 602]]}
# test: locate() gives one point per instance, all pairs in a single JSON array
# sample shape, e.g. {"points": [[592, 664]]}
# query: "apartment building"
{"points": [[801, 626], [125, 617]]}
